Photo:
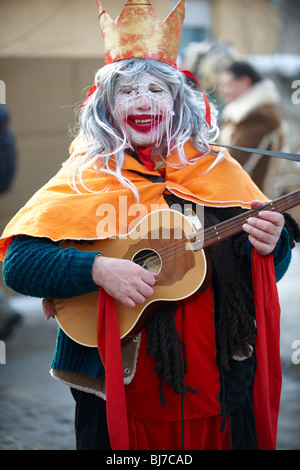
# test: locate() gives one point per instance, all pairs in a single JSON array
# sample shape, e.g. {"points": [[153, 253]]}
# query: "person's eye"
{"points": [[156, 90], [126, 91]]}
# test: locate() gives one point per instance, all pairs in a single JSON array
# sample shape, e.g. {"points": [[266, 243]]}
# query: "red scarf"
{"points": [[268, 376], [109, 345], [145, 157]]}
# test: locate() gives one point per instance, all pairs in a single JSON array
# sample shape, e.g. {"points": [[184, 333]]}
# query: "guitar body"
{"points": [[162, 243]]}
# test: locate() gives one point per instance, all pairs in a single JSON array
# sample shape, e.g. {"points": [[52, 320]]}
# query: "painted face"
{"points": [[144, 105]]}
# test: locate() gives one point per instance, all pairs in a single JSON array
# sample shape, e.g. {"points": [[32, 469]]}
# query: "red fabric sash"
{"points": [[268, 377], [207, 106], [109, 346], [144, 156]]}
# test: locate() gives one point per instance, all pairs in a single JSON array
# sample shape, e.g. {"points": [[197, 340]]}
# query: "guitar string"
{"points": [[209, 235], [211, 230], [293, 198], [167, 257], [168, 253]]}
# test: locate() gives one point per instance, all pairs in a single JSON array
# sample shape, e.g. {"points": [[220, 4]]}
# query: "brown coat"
{"points": [[253, 120]]}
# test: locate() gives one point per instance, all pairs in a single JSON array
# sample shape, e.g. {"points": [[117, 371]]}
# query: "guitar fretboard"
{"points": [[219, 232]]}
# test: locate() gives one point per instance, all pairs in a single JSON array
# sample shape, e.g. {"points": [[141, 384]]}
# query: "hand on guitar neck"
{"points": [[124, 280], [264, 231]]}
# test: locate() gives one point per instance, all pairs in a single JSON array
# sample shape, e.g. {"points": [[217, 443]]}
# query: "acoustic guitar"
{"points": [[164, 242]]}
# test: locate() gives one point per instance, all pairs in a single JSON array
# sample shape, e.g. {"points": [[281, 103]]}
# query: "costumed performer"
{"points": [[190, 379]]}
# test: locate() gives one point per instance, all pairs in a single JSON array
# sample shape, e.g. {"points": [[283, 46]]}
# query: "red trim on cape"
{"points": [[207, 105]]}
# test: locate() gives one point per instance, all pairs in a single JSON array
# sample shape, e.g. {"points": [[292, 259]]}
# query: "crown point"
{"points": [[102, 12], [178, 10], [99, 7], [139, 33]]}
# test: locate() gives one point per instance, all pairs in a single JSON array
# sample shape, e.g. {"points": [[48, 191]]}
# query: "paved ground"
{"points": [[37, 412]]}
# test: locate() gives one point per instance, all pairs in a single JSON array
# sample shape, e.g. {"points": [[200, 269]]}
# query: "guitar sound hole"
{"points": [[149, 260]]}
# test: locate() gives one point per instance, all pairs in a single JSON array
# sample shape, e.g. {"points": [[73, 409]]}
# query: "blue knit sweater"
{"points": [[40, 268]]}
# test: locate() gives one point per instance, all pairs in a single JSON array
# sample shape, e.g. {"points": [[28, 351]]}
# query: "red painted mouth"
{"points": [[144, 123]]}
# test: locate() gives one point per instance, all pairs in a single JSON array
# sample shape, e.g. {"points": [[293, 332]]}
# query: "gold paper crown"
{"points": [[139, 33]]}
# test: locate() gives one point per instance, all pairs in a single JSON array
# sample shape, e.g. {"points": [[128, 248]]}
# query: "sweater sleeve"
{"points": [[38, 267]]}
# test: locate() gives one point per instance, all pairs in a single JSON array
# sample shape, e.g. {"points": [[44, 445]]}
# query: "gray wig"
{"points": [[103, 137]]}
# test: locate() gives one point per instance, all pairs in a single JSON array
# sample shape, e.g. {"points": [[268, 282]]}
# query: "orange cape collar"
{"points": [[57, 212]]}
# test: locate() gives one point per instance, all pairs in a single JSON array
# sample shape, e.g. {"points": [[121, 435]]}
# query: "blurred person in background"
{"points": [[8, 317], [250, 118]]}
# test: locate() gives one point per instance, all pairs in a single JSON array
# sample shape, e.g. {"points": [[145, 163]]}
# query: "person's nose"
{"points": [[143, 103]]}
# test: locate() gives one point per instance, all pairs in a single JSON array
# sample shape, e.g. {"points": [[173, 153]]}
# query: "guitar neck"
{"points": [[220, 232]]}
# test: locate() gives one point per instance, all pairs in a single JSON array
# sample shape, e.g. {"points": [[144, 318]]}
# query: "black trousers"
{"points": [[237, 392], [90, 422]]}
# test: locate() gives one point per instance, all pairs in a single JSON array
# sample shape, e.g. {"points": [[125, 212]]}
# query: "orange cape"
{"points": [[58, 212]]}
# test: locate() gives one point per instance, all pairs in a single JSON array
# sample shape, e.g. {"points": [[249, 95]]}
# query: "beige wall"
{"points": [[57, 28], [250, 26], [41, 94], [49, 53]]}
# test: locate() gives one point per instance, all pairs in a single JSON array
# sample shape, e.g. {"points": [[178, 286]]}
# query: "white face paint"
{"points": [[144, 105]]}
